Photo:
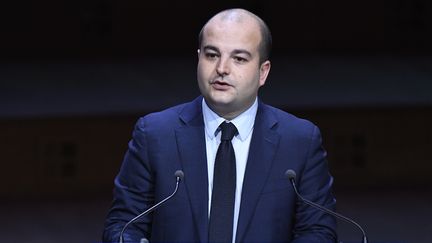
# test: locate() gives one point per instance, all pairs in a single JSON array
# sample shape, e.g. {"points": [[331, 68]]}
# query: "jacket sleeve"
{"points": [[133, 192], [314, 183]]}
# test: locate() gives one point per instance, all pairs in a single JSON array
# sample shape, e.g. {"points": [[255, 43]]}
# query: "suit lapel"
{"points": [[192, 149], [262, 150]]}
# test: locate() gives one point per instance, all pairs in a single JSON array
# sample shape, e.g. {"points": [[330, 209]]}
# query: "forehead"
{"points": [[232, 31]]}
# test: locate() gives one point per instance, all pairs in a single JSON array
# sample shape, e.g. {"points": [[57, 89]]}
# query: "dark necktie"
{"points": [[224, 184]]}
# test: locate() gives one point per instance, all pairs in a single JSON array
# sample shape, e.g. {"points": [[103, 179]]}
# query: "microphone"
{"points": [[292, 178], [179, 176]]}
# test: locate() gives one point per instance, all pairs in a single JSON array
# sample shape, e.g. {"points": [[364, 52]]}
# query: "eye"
{"points": [[211, 55], [240, 59]]}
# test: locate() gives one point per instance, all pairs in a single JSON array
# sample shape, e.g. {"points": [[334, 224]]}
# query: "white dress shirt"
{"points": [[244, 124]]}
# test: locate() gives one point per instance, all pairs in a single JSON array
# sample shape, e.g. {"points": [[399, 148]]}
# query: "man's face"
{"points": [[229, 74]]}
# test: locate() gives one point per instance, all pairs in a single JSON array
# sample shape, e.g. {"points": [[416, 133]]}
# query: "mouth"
{"points": [[220, 85]]}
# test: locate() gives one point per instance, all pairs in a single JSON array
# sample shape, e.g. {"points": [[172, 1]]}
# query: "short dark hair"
{"points": [[265, 45]]}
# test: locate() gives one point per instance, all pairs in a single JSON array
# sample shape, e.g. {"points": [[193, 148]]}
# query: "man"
{"points": [[233, 63]]}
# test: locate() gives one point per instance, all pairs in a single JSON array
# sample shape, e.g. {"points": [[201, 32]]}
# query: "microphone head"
{"points": [[179, 174], [290, 174]]}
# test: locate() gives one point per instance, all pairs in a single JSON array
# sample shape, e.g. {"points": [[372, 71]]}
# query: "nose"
{"points": [[222, 67]]}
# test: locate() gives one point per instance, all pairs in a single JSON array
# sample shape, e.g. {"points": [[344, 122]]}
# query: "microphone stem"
{"points": [[151, 209], [365, 240]]}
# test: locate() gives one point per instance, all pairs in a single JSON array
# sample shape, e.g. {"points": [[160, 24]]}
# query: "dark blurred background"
{"points": [[76, 75]]}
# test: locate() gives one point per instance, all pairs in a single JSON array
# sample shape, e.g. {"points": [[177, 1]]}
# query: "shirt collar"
{"points": [[243, 122]]}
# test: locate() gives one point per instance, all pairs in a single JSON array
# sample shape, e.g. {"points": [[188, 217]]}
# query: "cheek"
{"points": [[202, 78], [203, 70], [251, 82], [200, 73]]}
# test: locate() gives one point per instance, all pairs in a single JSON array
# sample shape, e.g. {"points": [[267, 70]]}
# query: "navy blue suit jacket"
{"points": [[174, 139]]}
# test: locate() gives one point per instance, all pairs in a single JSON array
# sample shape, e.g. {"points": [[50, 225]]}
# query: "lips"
{"points": [[220, 85]]}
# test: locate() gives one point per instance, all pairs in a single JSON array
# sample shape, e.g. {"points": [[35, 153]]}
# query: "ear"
{"points": [[198, 52], [264, 71]]}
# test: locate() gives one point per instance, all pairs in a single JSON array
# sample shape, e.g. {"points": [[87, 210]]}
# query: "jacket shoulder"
{"points": [[287, 119], [171, 117]]}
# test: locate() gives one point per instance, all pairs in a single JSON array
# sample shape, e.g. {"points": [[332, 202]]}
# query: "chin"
{"points": [[221, 101]]}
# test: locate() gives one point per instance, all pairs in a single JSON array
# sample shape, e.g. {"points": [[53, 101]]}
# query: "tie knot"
{"points": [[229, 130]]}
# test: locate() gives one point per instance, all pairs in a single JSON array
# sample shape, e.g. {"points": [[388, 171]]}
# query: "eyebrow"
{"points": [[210, 47], [236, 51]]}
